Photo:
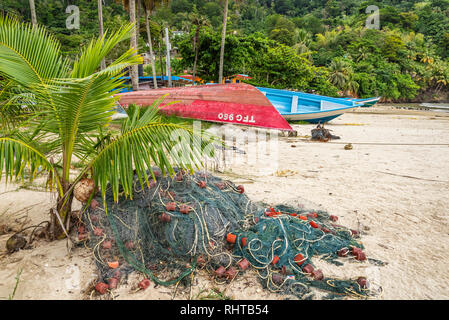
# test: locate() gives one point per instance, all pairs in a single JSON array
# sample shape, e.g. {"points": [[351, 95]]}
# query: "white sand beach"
{"points": [[393, 187]]}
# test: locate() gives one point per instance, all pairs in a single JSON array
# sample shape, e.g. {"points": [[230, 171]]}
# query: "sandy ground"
{"points": [[392, 186]]}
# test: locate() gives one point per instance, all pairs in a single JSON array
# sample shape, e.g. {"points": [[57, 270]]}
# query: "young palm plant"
{"points": [[68, 116]]}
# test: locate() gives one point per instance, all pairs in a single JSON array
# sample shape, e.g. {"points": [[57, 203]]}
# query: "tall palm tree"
{"points": [[199, 21], [69, 116], [130, 6], [223, 39], [149, 6], [339, 71], [101, 30], [33, 13]]}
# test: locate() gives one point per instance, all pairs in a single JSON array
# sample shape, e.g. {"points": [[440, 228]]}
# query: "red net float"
{"points": [[201, 261], [185, 209], [355, 233], [275, 260], [241, 189], [170, 206], [164, 217], [299, 259], [363, 282], [277, 279], [83, 236], [113, 264], [231, 273], [243, 264], [98, 232], [308, 268], [179, 177], [244, 241], [325, 230], [129, 245], [303, 218], [94, 204], [101, 288], [112, 283], [81, 229], [107, 244], [361, 256], [220, 272], [356, 251], [317, 275], [333, 218], [293, 214], [145, 283], [202, 184], [343, 252], [231, 238], [314, 224]]}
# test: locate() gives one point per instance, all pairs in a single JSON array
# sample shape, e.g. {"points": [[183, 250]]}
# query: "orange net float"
{"points": [[293, 214], [113, 264], [275, 260], [170, 206], [299, 259], [303, 218], [185, 209], [314, 224], [231, 238], [202, 184], [244, 241]]}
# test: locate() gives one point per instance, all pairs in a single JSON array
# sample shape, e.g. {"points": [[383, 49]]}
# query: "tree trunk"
{"points": [[64, 212], [150, 43], [196, 43], [100, 22], [33, 13], [134, 69], [223, 38], [160, 59]]}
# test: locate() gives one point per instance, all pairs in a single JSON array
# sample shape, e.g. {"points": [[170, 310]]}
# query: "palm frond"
{"points": [[146, 141], [16, 155]]}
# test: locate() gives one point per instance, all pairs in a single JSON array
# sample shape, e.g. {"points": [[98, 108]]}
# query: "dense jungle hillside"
{"points": [[399, 52]]}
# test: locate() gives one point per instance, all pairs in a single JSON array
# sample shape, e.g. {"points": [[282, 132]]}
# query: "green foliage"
{"points": [[413, 38]]}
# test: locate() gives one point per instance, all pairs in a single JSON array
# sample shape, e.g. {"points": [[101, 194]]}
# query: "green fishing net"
{"points": [[181, 223]]}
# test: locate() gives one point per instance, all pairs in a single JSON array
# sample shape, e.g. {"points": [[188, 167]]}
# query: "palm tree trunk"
{"points": [[134, 69], [100, 22], [150, 43], [160, 59], [196, 44], [33, 13], [223, 38]]}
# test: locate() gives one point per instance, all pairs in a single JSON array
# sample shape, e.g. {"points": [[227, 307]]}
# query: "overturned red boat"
{"points": [[226, 103]]}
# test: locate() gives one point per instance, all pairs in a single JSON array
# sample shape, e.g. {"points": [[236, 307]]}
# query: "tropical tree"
{"points": [[339, 73], [149, 6], [68, 119], [199, 21], [33, 13], [223, 39], [101, 30]]}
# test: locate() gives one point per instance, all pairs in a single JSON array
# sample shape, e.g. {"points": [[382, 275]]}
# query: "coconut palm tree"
{"points": [[130, 6], [149, 6], [199, 21], [33, 13], [68, 119], [101, 30], [223, 39], [339, 71]]}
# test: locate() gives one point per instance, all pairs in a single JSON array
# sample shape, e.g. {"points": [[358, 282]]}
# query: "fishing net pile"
{"points": [[179, 224]]}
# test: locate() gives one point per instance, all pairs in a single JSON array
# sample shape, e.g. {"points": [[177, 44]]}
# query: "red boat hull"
{"points": [[228, 103]]}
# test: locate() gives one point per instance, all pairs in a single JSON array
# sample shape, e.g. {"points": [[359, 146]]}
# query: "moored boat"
{"points": [[307, 107]]}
